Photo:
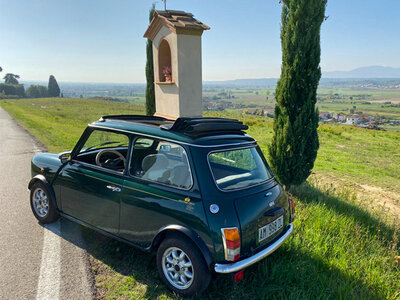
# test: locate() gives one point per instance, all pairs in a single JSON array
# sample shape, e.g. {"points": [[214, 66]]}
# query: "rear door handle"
{"points": [[273, 212], [114, 188]]}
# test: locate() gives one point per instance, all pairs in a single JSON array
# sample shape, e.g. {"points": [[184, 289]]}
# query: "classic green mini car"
{"points": [[198, 192]]}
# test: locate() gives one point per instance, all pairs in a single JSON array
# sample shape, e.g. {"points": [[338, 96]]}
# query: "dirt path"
{"points": [[369, 195]]}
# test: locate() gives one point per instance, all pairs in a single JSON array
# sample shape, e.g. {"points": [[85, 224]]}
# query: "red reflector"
{"points": [[239, 276], [237, 256]]}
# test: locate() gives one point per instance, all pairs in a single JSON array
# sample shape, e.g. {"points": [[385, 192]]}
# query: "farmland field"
{"points": [[347, 229], [377, 103]]}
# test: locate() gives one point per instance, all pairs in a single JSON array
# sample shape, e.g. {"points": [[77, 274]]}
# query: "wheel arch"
{"points": [[188, 233], [42, 179]]}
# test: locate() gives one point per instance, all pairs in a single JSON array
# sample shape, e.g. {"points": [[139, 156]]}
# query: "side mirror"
{"points": [[65, 157]]}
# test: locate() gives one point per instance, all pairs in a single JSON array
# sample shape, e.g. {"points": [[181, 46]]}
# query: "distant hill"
{"points": [[363, 75], [365, 72], [375, 73]]}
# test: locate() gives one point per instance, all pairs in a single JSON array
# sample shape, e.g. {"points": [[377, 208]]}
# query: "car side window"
{"points": [[162, 162], [105, 149]]}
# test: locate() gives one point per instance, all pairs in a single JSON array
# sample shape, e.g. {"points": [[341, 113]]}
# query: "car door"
{"points": [[158, 191], [91, 192]]}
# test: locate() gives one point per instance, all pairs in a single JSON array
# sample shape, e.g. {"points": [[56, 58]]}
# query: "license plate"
{"points": [[269, 229]]}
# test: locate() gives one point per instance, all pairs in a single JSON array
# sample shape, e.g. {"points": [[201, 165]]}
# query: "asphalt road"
{"points": [[36, 262]]}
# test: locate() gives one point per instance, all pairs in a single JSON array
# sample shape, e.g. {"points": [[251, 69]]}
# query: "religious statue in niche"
{"points": [[167, 72]]}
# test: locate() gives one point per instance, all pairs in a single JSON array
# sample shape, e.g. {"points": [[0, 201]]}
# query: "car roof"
{"points": [[201, 132]]}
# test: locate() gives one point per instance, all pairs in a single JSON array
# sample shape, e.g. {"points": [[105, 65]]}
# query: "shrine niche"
{"points": [[164, 62]]}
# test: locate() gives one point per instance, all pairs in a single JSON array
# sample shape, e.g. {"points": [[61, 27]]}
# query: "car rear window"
{"points": [[238, 168]]}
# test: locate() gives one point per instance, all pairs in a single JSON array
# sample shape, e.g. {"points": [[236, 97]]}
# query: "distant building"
{"points": [[366, 118], [355, 119], [325, 115], [340, 117]]}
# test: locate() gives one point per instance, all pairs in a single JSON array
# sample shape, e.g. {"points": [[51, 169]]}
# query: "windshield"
{"points": [[238, 168], [100, 139]]}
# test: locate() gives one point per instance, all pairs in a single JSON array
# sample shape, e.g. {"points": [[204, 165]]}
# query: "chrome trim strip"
{"points": [[170, 140], [241, 264]]}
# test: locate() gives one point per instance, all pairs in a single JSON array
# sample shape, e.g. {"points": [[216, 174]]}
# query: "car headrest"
{"points": [[180, 176], [157, 160]]}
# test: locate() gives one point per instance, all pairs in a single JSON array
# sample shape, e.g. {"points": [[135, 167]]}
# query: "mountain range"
{"points": [[359, 74], [365, 72]]}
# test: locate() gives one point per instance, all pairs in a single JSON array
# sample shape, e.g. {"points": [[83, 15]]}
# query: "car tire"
{"points": [[178, 255], [42, 203]]}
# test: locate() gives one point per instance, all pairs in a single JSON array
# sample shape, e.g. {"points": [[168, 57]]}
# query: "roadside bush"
{"points": [[12, 89], [37, 91]]}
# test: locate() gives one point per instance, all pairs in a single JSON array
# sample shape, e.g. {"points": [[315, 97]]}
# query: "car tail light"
{"points": [[292, 210], [231, 240]]}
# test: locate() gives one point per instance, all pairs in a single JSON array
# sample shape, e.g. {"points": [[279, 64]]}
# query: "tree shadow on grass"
{"points": [[289, 273], [286, 274], [127, 273]]}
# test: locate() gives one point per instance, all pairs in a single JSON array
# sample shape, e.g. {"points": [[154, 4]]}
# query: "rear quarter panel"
{"points": [[227, 215]]}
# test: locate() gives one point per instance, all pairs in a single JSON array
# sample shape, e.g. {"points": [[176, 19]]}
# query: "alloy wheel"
{"points": [[40, 202], [177, 268]]}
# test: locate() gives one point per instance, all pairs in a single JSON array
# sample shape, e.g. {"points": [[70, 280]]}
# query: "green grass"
{"points": [[58, 123], [339, 250]]}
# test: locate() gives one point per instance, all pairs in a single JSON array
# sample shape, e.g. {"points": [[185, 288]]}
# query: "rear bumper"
{"points": [[241, 264]]}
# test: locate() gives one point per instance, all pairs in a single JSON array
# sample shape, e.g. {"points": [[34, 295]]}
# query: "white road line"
{"points": [[49, 278]]}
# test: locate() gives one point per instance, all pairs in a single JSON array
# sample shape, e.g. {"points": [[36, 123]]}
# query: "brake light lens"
{"points": [[231, 240], [292, 210]]}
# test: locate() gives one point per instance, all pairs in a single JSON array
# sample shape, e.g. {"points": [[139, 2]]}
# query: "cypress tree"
{"points": [[150, 94], [295, 142], [53, 88]]}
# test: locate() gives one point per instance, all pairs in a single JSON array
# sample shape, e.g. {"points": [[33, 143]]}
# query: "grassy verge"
{"points": [[340, 250], [58, 123]]}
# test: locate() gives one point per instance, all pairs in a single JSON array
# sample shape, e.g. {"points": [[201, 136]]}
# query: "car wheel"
{"points": [[42, 204], [182, 266]]}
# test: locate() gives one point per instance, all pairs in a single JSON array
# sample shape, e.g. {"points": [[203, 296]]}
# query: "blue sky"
{"points": [[102, 41]]}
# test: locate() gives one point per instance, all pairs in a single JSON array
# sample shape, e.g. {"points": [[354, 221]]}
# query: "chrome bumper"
{"points": [[241, 264]]}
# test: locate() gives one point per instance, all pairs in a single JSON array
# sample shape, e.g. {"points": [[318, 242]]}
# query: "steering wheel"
{"points": [[100, 154]]}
